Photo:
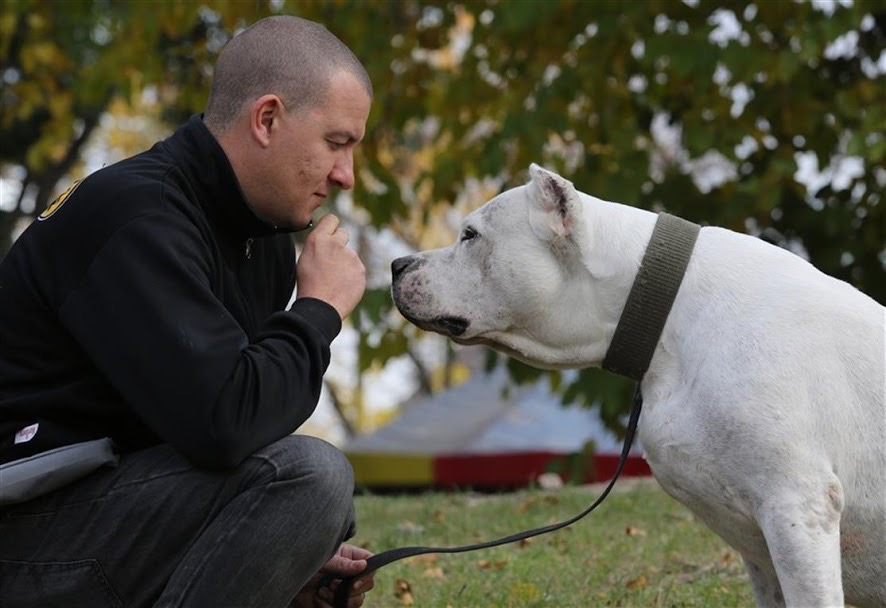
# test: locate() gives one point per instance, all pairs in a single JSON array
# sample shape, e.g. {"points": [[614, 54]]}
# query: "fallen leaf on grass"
{"points": [[525, 542], [427, 558], [436, 573], [484, 564], [527, 504], [636, 583], [632, 531], [403, 592]]}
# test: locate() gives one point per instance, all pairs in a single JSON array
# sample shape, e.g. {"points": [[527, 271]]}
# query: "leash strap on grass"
{"points": [[630, 352], [343, 591]]}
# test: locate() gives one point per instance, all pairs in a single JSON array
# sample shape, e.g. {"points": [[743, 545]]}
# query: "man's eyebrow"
{"points": [[349, 136]]}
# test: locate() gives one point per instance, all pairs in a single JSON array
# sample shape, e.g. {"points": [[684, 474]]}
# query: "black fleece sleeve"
{"points": [[146, 315]]}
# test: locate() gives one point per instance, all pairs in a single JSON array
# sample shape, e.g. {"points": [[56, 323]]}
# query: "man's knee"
{"points": [[314, 466]]}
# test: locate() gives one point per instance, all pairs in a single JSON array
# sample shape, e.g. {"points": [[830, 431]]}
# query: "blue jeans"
{"points": [[155, 531]]}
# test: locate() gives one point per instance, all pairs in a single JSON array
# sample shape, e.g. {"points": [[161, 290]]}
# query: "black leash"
{"points": [[633, 344], [343, 591]]}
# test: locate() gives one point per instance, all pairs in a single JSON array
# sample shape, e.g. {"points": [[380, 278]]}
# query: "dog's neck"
{"points": [[620, 234], [612, 253], [613, 257], [651, 297]]}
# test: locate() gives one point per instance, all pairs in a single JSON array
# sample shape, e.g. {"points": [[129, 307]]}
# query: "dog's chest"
{"points": [[688, 468]]}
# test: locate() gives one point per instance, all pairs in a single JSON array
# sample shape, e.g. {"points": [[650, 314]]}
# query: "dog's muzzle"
{"points": [[405, 299], [407, 263]]}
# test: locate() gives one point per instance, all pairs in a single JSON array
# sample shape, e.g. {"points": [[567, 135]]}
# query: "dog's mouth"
{"points": [[410, 300], [453, 326], [448, 326]]}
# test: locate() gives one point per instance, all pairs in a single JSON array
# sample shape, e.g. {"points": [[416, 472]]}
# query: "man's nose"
{"points": [[342, 173]]}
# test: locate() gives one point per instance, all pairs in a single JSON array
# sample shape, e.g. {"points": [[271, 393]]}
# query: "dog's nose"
{"points": [[400, 265]]}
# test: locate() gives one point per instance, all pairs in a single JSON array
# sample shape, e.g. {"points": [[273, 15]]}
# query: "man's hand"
{"points": [[328, 270], [347, 561]]}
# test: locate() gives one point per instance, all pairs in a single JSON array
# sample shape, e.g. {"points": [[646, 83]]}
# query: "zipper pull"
{"points": [[248, 248]]}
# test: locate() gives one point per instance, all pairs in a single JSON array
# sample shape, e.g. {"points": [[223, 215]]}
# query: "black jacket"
{"points": [[149, 307]]}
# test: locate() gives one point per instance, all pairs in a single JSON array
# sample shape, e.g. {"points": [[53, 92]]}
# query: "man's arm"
{"points": [[146, 314]]}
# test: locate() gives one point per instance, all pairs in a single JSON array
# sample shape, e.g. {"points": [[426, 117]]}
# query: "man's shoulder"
{"points": [[135, 196], [141, 184], [95, 207]]}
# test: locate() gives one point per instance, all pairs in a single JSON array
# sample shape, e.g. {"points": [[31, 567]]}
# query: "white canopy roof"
{"points": [[484, 415]]}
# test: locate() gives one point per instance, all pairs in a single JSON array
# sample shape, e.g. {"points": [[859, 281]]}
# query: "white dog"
{"points": [[764, 401]]}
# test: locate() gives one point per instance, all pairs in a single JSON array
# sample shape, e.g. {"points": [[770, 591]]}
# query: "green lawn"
{"points": [[639, 548]]}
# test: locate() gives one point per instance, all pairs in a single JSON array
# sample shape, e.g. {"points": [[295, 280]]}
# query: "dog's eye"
{"points": [[468, 234]]}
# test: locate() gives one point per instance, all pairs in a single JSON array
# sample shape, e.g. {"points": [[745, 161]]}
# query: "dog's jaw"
{"points": [[449, 326], [454, 326]]}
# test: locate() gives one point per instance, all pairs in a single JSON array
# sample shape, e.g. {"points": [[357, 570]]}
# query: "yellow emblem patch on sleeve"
{"points": [[58, 202]]}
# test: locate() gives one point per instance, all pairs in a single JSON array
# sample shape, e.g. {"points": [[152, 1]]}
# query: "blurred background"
{"points": [[765, 117]]}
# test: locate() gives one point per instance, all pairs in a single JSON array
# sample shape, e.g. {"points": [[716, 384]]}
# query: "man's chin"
{"points": [[296, 224]]}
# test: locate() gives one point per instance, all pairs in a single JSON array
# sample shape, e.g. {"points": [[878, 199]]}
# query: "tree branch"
{"points": [[337, 405]]}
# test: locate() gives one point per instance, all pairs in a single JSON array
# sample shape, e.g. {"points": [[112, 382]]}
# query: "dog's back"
{"points": [[796, 359]]}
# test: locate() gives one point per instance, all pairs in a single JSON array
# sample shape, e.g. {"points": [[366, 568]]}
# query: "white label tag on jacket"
{"points": [[27, 433]]}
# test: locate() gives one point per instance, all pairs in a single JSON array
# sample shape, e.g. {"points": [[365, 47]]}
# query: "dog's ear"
{"points": [[556, 198]]}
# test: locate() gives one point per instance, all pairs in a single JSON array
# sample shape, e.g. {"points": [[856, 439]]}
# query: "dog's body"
{"points": [[764, 401]]}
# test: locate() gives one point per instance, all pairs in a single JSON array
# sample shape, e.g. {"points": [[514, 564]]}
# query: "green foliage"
{"points": [[64, 61], [378, 342], [574, 85]]}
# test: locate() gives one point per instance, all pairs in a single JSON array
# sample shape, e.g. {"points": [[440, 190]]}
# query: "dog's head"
{"points": [[515, 280]]}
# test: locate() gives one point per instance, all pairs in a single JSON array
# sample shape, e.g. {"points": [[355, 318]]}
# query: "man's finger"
{"points": [[344, 566], [364, 584], [328, 224], [354, 552]]}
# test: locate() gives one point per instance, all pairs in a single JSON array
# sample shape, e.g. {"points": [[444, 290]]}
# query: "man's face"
{"points": [[312, 152]]}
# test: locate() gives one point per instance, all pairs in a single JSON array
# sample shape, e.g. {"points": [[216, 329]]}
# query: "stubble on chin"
{"points": [[303, 226]]}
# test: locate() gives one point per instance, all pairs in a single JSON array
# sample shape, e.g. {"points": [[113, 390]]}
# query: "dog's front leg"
{"points": [[801, 525], [764, 581]]}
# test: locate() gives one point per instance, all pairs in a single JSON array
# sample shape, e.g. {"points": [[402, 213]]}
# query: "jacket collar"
{"points": [[207, 168]]}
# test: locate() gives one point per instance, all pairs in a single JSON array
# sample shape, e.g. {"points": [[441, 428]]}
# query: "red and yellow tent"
{"points": [[484, 434]]}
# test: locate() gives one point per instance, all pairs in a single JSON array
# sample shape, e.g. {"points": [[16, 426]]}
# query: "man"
{"points": [[147, 306]]}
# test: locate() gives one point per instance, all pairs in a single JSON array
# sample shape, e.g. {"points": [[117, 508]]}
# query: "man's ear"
{"points": [[556, 198], [265, 112]]}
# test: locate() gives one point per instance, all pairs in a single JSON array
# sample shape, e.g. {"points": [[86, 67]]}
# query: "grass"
{"points": [[639, 548]]}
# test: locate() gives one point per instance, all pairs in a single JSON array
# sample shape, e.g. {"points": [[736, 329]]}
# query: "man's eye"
{"points": [[336, 145], [468, 234]]}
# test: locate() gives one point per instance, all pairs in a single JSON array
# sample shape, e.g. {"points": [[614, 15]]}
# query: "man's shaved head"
{"points": [[287, 56]]}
